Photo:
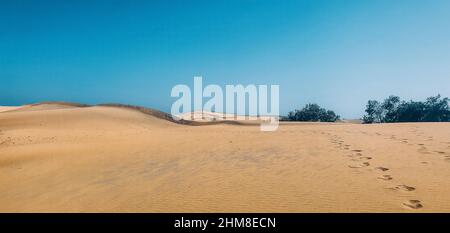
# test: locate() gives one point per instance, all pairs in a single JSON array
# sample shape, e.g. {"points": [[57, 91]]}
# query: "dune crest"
{"points": [[9, 108]]}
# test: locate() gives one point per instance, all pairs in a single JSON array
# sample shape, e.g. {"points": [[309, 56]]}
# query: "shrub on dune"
{"points": [[434, 109], [313, 112]]}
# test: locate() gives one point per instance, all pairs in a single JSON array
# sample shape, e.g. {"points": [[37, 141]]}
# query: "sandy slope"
{"points": [[101, 159], [9, 108]]}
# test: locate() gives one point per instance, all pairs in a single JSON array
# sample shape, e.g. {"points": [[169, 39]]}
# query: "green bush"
{"points": [[313, 112], [434, 109]]}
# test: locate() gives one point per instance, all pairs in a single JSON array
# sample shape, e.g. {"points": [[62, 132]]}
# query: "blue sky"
{"points": [[337, 53]]}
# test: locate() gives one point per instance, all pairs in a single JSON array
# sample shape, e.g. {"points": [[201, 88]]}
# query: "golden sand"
{"points": [[9, 108], [107, 159]]}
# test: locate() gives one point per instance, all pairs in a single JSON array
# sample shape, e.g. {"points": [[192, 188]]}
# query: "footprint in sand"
{"points": [[357, 150], [355, 155], [383, 169], [423, 150], [413, 204], [385, 177], [404, 188], [440, 152], [359, 165], [362, 158]]}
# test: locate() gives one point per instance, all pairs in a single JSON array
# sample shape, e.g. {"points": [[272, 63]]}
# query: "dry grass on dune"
{"points": [[60, 158]]}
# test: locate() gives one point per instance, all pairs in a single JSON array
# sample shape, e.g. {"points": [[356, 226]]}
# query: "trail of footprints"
{"points": [[358, 161], [422, 147]]}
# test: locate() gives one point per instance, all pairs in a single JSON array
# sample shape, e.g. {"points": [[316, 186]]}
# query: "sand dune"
{"points": [[42, 107], [56, 157], [9, 108]]}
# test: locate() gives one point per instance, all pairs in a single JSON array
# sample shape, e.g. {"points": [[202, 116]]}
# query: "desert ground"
{"points": [[63, 158], [9, 108]]}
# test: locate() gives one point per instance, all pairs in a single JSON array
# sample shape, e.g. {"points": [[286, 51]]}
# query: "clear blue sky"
{"points": [[337, 53]]}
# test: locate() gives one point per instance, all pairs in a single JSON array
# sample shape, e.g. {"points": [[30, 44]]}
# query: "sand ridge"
{"points": [[9, 108], [116, 159]]}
